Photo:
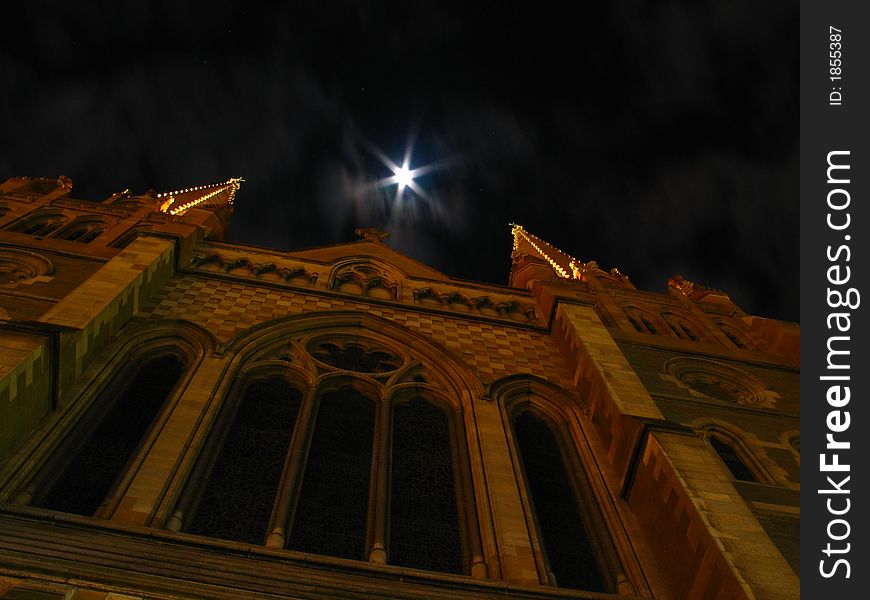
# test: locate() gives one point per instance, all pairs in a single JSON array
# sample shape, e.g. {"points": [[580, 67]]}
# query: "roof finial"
{"points": [[372, 234]]}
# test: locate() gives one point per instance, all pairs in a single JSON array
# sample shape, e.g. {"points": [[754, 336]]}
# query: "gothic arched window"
{"points": [[105, 440], [42, 224], [642, 321], [349, 468], [732, 333], [332, 511], [558, 510], [237, 501], [731, 459], [680, 327], [424, 522], [83, 230]]}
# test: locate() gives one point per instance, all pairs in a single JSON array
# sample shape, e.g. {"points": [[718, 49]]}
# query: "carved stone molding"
{"points": [[719, 381]]}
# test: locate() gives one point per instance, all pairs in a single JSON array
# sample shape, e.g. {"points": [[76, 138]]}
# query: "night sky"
{"points": [[657, 137]]}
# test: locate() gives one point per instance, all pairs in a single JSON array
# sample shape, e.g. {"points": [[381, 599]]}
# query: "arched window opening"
{"points": [[333, 507], [679, 327], [567, 545], [83, 232], [729, 456], [236, 503], [649, 326], [736, 338], [638, 327], [96, 464], [41, 225], [424, 521], [688, 331]]}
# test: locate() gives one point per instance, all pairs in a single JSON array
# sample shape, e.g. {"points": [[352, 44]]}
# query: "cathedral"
{"points": [[186, 418]]}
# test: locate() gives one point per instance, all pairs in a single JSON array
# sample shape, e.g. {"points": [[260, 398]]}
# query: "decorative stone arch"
{"points": [[261, 339], [42, 223], [84, 229], [419, 368], [683, 325], [736, 332], [366, 276], [21, 266], [746, 446], [644, 320], [295, 374], [211, 262], [561, 412], [719, 381], [67, 432], [331, 382]]}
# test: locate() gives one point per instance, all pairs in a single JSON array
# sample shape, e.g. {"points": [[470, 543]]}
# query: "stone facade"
{"points": [[674, 417]]}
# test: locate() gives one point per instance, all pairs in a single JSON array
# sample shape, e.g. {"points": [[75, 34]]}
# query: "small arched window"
{"points": [[642, 321], [236, 503], [83, 230], [738, 338], [680, 327], [571, 559], [42, 224], [106, 439], [731, 459]]}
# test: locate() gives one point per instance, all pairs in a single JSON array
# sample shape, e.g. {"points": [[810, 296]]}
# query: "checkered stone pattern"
{"points": [[492, 350]]}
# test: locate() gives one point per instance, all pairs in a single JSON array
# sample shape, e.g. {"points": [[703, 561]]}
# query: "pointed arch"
{"points": [[84, 229], [369, 388], [568, 528], [366, 276], [740, 452], [456, 378], [683, 326], [643, 320], [41, 223], [101, 439], [738, 336]]}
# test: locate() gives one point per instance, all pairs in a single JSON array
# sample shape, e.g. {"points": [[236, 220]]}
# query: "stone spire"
{"points": [[216, 195], [528, 245]]}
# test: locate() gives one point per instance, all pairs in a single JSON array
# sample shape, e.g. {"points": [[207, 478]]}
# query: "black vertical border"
{"points": [[826, 128]]}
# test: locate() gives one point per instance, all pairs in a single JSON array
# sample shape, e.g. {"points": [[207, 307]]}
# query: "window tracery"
{"points": [[721, 382], [355, 357], [367, 279], [371, 471]]}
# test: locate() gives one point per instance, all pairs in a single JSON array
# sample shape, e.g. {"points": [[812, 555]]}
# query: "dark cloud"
{"points": [[657, 137]]}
